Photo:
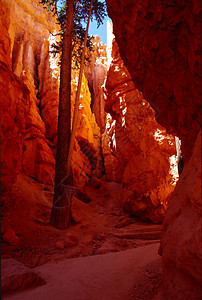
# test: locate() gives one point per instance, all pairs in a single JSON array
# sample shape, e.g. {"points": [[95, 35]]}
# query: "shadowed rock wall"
{"points": [[160, 44], [140, 146]]}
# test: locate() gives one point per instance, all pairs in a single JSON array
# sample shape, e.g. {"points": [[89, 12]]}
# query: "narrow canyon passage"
{"points": [[100, 237], [108, 276], [135, 229]]}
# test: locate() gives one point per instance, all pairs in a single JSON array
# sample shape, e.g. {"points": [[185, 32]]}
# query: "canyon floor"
{"points": [[105, 254]]}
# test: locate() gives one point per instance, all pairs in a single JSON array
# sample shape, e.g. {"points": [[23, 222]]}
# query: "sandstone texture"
{"points": [[14, 107], [30, 82], [140, 146], [11, 238], [181, 236], [27, 26], [109, 276], [160, 45], [15, 276], [87, 157], [96, 72], [4, 38]]}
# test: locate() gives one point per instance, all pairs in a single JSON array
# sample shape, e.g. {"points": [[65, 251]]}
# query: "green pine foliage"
{"points": [[81, 10], [50, 5]]}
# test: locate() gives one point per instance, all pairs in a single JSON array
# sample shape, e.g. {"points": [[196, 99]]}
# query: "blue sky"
{"points": [[101, 31]]}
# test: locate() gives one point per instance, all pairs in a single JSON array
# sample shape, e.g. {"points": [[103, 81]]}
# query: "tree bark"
{"points": [[76, 107], [61, 209]]}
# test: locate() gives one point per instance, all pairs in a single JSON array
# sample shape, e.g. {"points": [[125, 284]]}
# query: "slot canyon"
{"points": [[135, 229]]}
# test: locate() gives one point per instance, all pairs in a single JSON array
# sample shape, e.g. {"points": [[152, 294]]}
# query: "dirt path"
{"points": [[129, 274], [100, 226], [105, 254]]}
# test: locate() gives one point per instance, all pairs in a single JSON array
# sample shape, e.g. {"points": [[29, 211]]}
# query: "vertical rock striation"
{"points": [[30, 28], [87, 156], [181, 236], [14, 107], [160, 45], [141, 146], [31, 110], [95, 72]]}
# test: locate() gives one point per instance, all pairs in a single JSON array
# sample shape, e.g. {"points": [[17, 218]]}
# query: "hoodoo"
{"points": [[136, 163]]}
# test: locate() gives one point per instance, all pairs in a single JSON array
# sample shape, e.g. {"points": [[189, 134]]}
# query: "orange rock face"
{"points": [[141, 146], [27, 37], [4, 38], [181, 236], [48, 73], [96, 72], [87, 159], [29, 32], [160, 44], [14, 107]]}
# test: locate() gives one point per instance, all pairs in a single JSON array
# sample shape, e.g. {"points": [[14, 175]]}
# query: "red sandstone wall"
{"points": [[30, 105], [181, 236], [160, 45], [142, 148], [14, 107], [96, 72], [27, 26]]}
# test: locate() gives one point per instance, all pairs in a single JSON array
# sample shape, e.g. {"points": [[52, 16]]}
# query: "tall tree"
{"points": [[76, 106], [61, 209], [76, 11]]}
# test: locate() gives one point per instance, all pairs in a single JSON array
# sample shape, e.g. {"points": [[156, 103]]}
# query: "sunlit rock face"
{"points": [[14, 107], [32, 110], [160, 45], [139, 144], [5, 41], [28, 30], [113, 170], [48, 75], [87, 156], [181, 236], [95, 72]]}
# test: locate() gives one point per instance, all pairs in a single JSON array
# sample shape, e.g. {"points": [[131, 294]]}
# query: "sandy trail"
{"points": [[128, 274], [116, 257], [100, 225]]}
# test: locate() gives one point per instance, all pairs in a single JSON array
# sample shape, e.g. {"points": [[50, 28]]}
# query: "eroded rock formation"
{"points": [[181, 236], [88, 138], [95, 72], [31, 72], [28, 26], [141, 147], [14, 109], [160, 45]]}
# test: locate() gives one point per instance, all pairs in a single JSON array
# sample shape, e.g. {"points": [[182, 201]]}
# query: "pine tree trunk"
{"points": [[76, 107], [61, 209]]}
